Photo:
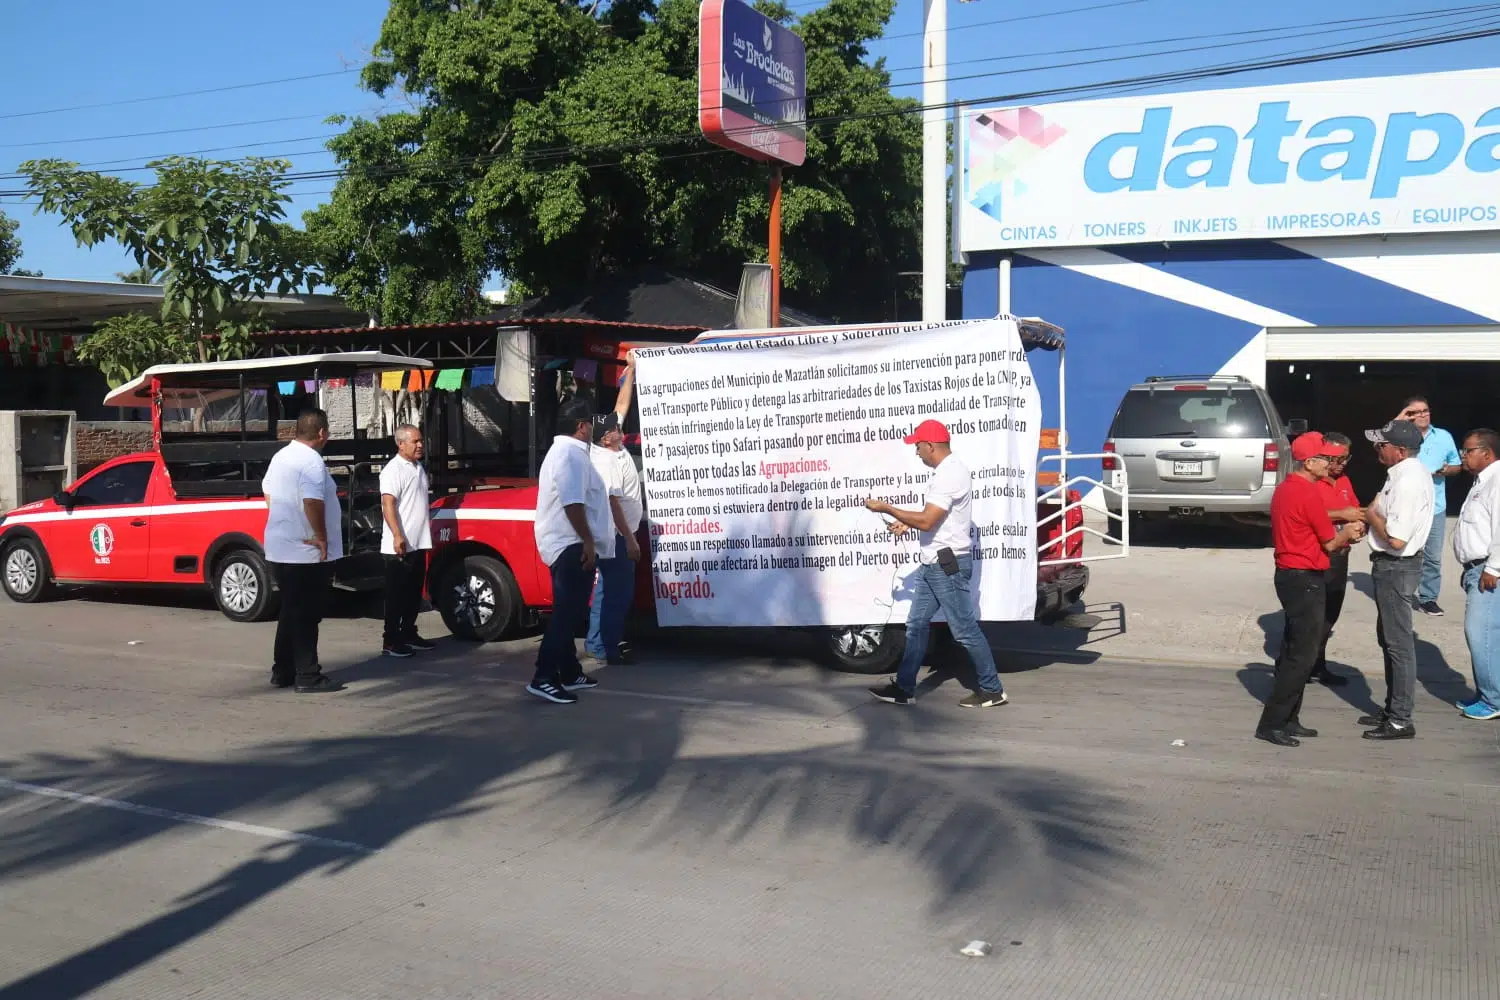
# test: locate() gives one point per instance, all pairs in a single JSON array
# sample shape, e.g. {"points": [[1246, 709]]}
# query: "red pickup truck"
{"points": [[190, 512]]}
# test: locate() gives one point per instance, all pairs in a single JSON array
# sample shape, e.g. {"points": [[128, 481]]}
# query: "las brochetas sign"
{"points": [[752, 83]]}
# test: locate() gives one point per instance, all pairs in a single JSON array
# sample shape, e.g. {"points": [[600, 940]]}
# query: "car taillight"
{"points": [[1273, 459], [1110, 462]]}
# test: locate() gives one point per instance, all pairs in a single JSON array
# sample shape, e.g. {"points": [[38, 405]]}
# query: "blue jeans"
{"points": [[1482, 629], [557, 657], [614, 588], [936, 589], [1432, 559]]}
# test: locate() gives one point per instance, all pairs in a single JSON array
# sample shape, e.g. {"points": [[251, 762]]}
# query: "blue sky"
{"points": [[62, 55]]}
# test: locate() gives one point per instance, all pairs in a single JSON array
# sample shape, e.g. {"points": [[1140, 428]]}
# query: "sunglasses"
{"points": [[1477, 447]]}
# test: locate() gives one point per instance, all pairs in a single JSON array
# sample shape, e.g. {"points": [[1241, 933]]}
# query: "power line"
{"points": [[171, 97], [643, 144]]}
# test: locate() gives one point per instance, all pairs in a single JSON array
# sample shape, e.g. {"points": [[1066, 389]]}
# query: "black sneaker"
{"points": [[1430, 608], [323, 685], [1279, 737], [984, 699], [580, 683], [552, 691], [620, 659], [417, 642], [892, 693], [399, 650], [1373, 719], [282, 680]]}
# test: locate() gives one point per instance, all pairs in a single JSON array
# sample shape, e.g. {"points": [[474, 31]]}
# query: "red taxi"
{"points": [[189, 513]]}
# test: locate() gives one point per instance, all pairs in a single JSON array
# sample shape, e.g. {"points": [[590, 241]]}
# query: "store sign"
{"points": [[1406, 154], [752, 83]]}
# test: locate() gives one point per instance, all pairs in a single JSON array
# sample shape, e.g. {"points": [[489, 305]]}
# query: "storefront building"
{"points": [[1336, 242]]}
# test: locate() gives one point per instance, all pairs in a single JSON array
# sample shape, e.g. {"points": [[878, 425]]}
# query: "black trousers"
{"points": [[304, 595], [557, 656], [403, 595], [1336, 580], [1303, 596]]}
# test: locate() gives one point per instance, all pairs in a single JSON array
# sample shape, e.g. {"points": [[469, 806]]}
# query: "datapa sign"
{"points": [[752, 83], [1403, 154]]}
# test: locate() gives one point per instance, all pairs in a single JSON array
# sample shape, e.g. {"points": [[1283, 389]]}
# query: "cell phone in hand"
{"points": [[948, 561]]}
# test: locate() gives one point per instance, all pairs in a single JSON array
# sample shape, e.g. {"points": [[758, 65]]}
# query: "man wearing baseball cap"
{"points": [[1343, 508], [1399, 519], [1303, 536], [942, 580]]}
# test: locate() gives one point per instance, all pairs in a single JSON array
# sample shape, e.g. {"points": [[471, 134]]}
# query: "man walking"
{"points": [[1343, 508], [573, 526], [1399, 520], [1440, 457], [942, 580], [405, 539], [1476, 543], [615, 586], [302, 541], [1302, 535]]}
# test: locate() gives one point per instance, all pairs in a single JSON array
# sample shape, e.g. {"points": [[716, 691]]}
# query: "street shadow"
{"points": [[990, 835], [1183, 533]]}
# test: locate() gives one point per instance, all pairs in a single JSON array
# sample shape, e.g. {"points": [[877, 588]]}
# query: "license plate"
{"points": [[1187, 468]]}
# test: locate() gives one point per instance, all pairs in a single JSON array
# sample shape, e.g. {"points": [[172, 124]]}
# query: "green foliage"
{"points": [[213, 230], [556, 141], [10, 244], [123, 346]]}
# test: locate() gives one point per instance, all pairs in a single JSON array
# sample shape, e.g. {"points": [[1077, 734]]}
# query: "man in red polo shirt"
{"points": [[1343, 508], [1302, 535]]}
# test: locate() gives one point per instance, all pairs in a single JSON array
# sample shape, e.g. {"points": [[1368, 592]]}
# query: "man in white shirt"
{"points": [[1476, 543], [615, 586], [405, 539], [303, 539], [1399, 521], [942, 580], [573, 526]]}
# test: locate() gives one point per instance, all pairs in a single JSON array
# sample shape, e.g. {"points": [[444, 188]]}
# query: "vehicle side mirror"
{"points": [[64, 499], [1295, 427]]}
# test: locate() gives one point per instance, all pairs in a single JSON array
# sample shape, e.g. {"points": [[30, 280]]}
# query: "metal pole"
{"points": [[1005, 306], [934, 161], [774, 245]]}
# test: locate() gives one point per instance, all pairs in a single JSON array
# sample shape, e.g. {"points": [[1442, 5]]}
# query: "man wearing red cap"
{"points": [[1302, 535], [942, 580], [1343, 508]]}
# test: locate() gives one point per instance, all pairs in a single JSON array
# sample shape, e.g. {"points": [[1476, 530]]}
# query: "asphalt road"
{"points": [[725, 821]]}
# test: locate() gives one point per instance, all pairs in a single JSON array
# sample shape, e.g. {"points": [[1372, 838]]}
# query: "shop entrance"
{"points": [[1350, 396]]}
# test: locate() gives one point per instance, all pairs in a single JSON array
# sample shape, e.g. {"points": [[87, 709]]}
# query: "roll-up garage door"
{"points": [[1455, 343]]}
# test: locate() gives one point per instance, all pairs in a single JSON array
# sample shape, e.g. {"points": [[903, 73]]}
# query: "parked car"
{"points": [[1194, 446]]}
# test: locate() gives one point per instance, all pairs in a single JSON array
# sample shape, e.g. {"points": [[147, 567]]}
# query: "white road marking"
{"points": [[268, 832]]}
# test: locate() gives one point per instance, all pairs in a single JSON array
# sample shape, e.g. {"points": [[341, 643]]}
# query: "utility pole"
{"points": [[935, 161]]}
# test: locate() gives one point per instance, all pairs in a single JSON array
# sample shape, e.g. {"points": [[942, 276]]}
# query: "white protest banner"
{"points": [[759, 453]]}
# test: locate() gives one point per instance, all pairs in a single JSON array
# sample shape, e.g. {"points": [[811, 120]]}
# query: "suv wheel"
{"points": [[25, 572], [865, 649], [243, 588], [478, 598]]}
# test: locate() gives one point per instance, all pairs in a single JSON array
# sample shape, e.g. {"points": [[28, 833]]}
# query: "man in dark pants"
{"points": [[1343, 508], [1399, 519], [303, 539], [573, 526], [405, 539], [1302, 536]]}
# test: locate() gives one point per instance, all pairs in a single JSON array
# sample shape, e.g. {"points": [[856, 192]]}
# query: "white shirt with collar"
{"points": [[568, 477], [949, 487], [1478, 533], [407, 482], [297, 473], [617, 469], [1406, 500]]}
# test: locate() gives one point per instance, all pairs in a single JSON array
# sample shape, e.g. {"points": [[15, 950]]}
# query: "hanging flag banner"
{"points": [[759, 454]]}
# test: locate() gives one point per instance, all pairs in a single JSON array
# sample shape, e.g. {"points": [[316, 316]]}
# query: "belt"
{"points": [[1475, 562], [1384, 555]]}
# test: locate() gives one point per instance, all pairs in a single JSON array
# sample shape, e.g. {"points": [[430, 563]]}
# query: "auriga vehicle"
{"points": [[488, 581], [190, 513], [1197, 446]]}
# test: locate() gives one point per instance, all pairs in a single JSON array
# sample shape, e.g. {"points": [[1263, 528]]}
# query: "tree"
{"points": [[140, 276], [10, 248], [213, 230], [553, 142]]}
